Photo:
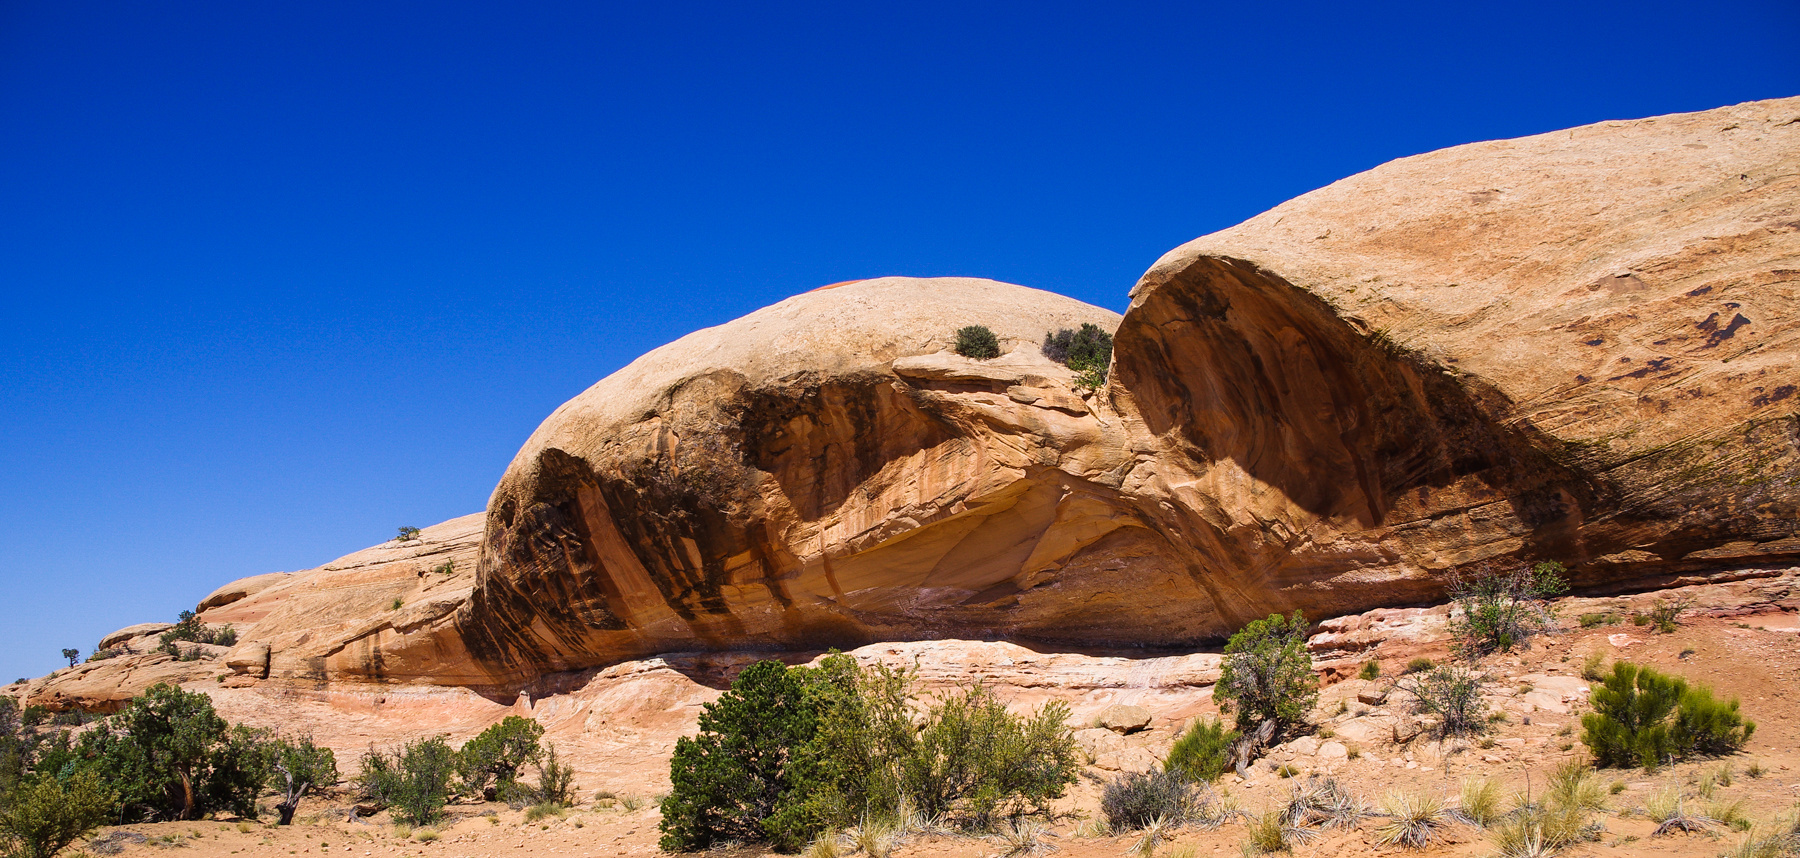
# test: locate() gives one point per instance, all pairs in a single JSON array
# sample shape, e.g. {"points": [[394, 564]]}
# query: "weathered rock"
{"points": [[1416, 370], [1575, 346], [1128, 760], [1124, 719], [107, 685], [1099, 740], [240, 589], [824, 472], [249, 659], [120, 637]]}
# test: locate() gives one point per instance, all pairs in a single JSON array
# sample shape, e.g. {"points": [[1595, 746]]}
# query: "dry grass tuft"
{"points": [[1415, 820], [1479, 802], [1667, 808]]}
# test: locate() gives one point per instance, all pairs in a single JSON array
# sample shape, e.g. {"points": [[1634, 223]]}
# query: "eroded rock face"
{"points": [[1575, 346], [826, 472]]}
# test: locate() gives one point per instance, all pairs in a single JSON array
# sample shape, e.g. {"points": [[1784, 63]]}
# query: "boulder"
{"points": [[1097, 741], [250, 659], [1128, 760], [1123, 719], [129, 633]]}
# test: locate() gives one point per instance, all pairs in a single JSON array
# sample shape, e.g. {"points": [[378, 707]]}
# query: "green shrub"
{"points": [[731, 776], [1371, 670], [168, 755], [407, 534], [1708, 727], [1642, 717], [1589, 621], [1418, 665], [1267, 674], [974, 759], [39, 819], [1497, 611], [70, 718], [978, 342], [189, 628], [415, 780], [1091, 343], [790, 753], [34, 715], [850, 770], [556, 780], [489, 764], [1088, 352], [1137, 799], [296, 768], [73, 655], [1663, 616], [1202, 753], [1451, 693]]}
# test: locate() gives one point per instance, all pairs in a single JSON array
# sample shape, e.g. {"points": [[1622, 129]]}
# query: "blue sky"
{"points": [[280, 278]]}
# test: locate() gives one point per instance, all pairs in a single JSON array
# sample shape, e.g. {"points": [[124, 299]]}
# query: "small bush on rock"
{"points": [[1088, 352], [1091, 343], [1646, 718], [978, 342], [1499, 610], [1136, 799], [1267, 674], [1203, 753], [1451, 693]]}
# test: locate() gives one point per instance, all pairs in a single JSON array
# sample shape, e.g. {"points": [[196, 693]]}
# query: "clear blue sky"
{"points": [[279, 278]]}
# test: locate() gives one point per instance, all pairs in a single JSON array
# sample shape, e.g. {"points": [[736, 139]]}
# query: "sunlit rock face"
{"points": [[1575, 346], [823, 472]]}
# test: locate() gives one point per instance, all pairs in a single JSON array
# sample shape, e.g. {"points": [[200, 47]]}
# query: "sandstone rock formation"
{"points": [[1577, 346]]}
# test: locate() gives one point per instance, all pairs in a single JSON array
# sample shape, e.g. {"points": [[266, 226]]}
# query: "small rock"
{"points": [[1097, 741], [1124, 719], [1333, 751], [1128, 760], [1547, 702]]}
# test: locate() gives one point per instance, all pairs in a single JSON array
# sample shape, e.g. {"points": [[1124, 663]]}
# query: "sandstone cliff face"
{"points": [[1576, 346]]}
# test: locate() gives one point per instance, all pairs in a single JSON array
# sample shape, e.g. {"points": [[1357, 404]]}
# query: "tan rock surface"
{"points": [[131, 633], [825, 472], [240, 589], [1577, 346]]}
